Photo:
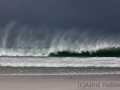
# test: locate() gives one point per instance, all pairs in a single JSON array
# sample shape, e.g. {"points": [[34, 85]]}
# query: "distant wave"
{"points": [[108, 52]]}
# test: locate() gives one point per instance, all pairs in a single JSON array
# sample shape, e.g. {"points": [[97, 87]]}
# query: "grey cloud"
{"points": [[99, 14]]}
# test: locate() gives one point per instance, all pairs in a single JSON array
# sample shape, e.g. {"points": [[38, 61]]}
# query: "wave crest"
{"points": [[106, 52]]}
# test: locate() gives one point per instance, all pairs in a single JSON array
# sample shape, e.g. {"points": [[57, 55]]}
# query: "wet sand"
{"points": [[60, 82]]}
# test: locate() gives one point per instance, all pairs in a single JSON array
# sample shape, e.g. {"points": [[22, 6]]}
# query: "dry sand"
{"points": [[60, 82]]}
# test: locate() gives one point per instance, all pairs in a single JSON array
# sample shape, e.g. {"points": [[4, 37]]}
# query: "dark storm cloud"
{"points": [[99, 14]]}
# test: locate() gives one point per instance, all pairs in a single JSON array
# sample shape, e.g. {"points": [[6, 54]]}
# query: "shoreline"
{"points": [[60, 82]]}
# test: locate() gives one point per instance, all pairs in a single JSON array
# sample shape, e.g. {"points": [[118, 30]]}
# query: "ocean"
{"points": [[48, 51], [20, 62]]}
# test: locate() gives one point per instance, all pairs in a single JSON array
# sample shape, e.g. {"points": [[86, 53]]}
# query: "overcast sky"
{"points": [[64, 14]]}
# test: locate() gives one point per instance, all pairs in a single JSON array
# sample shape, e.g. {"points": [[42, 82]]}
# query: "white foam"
{"points": [[59, 62]]}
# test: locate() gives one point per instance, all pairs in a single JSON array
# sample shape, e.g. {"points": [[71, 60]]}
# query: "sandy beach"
{"points": [[60, 82]]}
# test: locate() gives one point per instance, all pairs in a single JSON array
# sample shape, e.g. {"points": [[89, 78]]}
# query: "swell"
{"points": [[108, 52]]}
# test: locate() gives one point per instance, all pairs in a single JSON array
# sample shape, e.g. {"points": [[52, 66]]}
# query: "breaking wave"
{"points": [[106, 52], [48, 41]]}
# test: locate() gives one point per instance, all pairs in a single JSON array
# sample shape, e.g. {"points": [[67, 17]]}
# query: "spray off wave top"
{"points": [[47, 41]]}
